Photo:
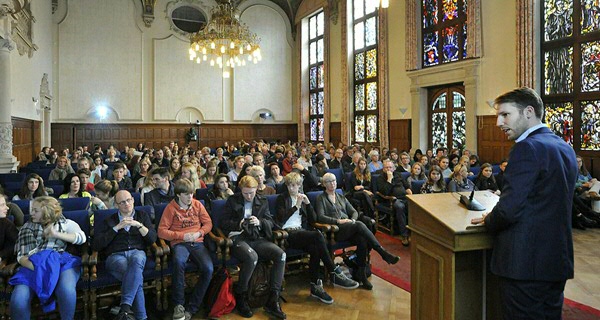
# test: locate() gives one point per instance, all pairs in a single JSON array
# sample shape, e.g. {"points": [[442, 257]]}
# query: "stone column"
{"points": [[8, 162]]}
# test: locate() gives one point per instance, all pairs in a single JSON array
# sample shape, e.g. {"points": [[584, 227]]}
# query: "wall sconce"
{"points": [[403, 111], [491, 104]]}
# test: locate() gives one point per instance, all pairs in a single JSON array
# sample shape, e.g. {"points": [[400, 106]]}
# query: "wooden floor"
{"points": [[387, 301], [585, 287]]}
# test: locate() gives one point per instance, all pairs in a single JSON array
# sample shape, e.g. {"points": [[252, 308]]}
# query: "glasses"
{"points": [[126, 201], [329, 181]]}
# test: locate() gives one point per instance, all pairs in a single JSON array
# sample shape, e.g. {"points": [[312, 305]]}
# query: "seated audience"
{"points": [[84, 163], [119, 175], [126, 235], [435, 183], [105, 195], [32, 188], [140, 177], [333, 208], [184, 223], [247, 220], [288, 162], [296, 215], [189, 171], [276, 178], [500, 176], [320, 166], [459, 181], [84, 177], [258, 173], [72, 188], [211, 173], [8, 234], [375, 164], [159, 158], [99, 167], [336, 161], [41, 248], [392, 188], [221, 190], [404, 165], [586, 186], [444, 164], [62, 169], [163, 192], [425, 163], [238, 164], [474, 161], [360, 188], [485, 179], [417, 173], [174, 166]]}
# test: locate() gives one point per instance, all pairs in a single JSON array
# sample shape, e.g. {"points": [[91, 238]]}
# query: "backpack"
{"points": [[219, 297], [259, 287], [349, 258]]}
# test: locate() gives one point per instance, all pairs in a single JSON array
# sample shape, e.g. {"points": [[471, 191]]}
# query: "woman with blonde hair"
{"points": [[41, 249], [145, 166], [258, 173], [189, 171], [211, 172], [459, 181]]}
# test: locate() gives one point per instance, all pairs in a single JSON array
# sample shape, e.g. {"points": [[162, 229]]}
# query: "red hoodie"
{"points": [[176, 222]]}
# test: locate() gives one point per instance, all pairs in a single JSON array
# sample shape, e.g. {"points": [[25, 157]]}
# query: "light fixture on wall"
{"points": [[225, 42], [384, 3]]}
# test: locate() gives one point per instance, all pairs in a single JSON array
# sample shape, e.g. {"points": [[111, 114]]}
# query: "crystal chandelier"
{"points": [[225, 41]]}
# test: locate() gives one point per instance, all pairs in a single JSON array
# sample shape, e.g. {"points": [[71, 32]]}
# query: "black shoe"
{"points": [[124, 315], [387, 257], [361, 277], [578, 225], [273, 307], [588, 223], [242, 306]]}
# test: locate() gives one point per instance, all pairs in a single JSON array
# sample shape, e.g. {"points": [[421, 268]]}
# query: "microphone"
{"points": [[471, 203]]}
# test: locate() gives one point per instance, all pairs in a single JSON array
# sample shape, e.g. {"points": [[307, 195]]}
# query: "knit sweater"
{"points": [[176, 222]]}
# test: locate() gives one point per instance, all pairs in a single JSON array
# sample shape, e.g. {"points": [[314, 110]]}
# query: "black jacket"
{"points": [[155, 197], [285, 211], [108, 241], [233, 214]]}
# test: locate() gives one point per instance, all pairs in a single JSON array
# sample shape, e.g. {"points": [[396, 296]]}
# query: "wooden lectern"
{"points": [[449, 279]]}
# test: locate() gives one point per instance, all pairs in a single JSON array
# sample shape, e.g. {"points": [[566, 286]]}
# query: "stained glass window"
{"points": [[447, 117], [571, 71], [366, 106], [316, 28], [590, 125], [443, 31], [559, 118]]}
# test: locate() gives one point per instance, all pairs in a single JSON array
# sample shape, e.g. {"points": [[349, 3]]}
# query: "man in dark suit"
{"points": [[531, 223]]}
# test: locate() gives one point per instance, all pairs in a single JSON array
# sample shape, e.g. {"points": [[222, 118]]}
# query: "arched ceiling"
{"points": [[290, 7]]}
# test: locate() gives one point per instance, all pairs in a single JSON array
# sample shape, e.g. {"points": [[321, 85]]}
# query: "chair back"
{"points": [[137, 198], [216, 211], [405, 175], [272, 204], [24, 205], [415, 186], [12, 177], [158, 212], [312, 196], [476, 170], [82, 217], [201, 193], [339, 175], [99, 217], [72, 204]]}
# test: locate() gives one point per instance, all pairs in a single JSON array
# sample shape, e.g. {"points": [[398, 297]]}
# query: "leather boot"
{"points": [[243, 308], [361, 276], [386, 256], [273, 307]]}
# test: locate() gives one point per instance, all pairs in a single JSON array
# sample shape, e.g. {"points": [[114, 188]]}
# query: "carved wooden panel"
{"points": [[492, 144], [400, 134], [26, 139], [69, 135]]}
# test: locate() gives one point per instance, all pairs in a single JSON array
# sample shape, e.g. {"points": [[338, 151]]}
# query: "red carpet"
{"points": [[399, 275]]}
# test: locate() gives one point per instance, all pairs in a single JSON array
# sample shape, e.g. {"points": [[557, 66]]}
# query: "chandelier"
{"points": [[225, 41]]}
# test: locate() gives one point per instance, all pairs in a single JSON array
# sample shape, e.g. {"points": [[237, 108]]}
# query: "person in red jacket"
{"points": [[184, 223]]}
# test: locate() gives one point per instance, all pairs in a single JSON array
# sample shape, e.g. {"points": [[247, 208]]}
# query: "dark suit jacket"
{"points": [[233, 213], [532, 220]]}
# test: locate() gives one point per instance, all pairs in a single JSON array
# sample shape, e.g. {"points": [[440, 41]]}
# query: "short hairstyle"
{"points": [[119, 165], [162, 171], [247, 182], [273, 164], [255, 170], [50, 208], [328, 176], [521, 98], [184, 186], [293, 178]]}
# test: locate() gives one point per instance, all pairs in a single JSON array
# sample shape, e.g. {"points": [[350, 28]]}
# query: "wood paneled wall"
{"points": [[400, 134], [70, 135], [492, 144], [27, 137]]}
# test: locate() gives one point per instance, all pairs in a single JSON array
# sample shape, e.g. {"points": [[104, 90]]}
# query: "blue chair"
{"points": [[103, 284], [415, 186], [72, 204], [58, 190], [137, 199], [201, 193], [339, 175], [405, 175], [476, 170], [384, 210], [24, 205], [495, 168], [12, 177]]}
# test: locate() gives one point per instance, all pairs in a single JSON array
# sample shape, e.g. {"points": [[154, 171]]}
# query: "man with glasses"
{"points": [[163, 192], [391, 187], [123, 239]]}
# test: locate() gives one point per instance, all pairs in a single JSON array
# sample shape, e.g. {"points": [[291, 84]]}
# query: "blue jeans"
{"points": [[200, 256], [66, 296], [128, 267]]}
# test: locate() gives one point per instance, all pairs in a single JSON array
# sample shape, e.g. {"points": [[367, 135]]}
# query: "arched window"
{"points": [[571, 70], [447, 117], [365, 84], [444, 31], [316, 30]]}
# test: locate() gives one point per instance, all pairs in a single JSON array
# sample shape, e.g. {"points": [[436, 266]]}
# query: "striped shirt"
{"points": [[31, 238]]}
